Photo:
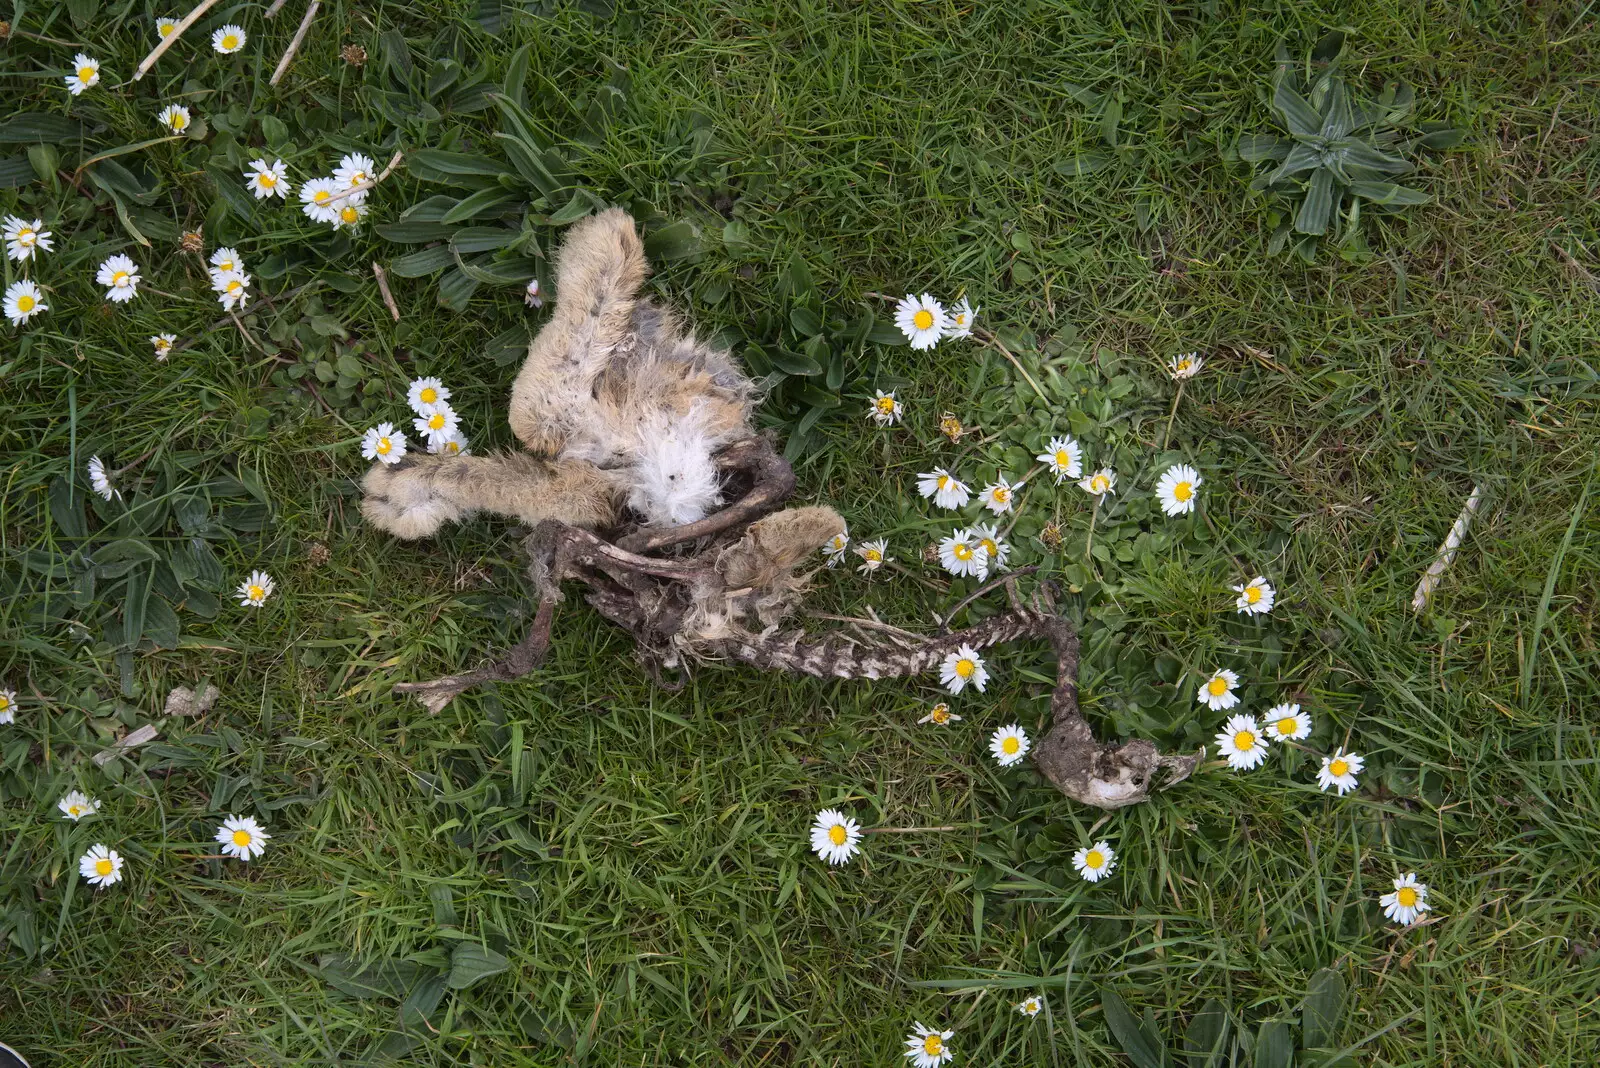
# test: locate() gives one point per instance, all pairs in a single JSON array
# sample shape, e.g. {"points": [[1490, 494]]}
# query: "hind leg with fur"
{"points": [[416, 497]]}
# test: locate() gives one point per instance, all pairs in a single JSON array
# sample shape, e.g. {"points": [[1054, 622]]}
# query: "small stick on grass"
{"points": [[1447, 552], [294, 43], [362, 187], [172, 38], [383, 288], [904, 830], [277, 6]]}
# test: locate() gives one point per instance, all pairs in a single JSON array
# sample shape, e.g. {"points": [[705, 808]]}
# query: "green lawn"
{"points": [[631, 865]]}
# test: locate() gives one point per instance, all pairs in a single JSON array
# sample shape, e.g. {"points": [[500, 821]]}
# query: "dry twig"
{"points": [[172, 38], [294, 43], [1447, 552], [362, 187], [383, 288]]}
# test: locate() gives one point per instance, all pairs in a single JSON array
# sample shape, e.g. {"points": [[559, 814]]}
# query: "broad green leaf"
{"points": [[1298, 114], [161, 624], [1337, 118], [490, 271], [1206, 1038], [1361, 154], [16, 171], [1439, 135], [794, 363], [453, 168], [1324, 1010], [471, 963], [483, 202], [1389, 193], [1328, 47], [1318, 205], [1300, 158], [415, 233], [420, 1004], [66, 508], [674, 241], [380, 979], [578, 207], [805, 321], [1254, 148], [123, 150], [1110, 119], [1130, 1035], [456, 289], [1083, 164], [818, 398], [516, 83], [28, 127], [483, 239], [1274, 1045], [422, 263]]}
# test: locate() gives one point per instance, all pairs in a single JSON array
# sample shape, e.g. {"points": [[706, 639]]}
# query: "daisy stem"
{"points": [[989, 339], [1088, 544], [1176, 397]]}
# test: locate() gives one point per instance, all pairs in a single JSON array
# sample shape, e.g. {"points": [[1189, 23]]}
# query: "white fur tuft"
{"points": [[675, 479]]}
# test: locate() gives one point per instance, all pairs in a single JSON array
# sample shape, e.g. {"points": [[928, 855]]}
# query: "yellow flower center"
{"points": [[1001, 494], [923, 320], [384, 446], [1010, 746], [234, 285], [1183, 365], [74, 809], [961, 551], [25, 303], [85, 73], [990, 547], [119, 279], [25, 236], [428, 395], [1030, 1006], [5, 702], [1063, 459], [941, 715], [944, 482], [451, 446], [166, 28], [1339, 767], [256, 593], [322, 196], [1406, 896], [230, 41], [178, 121], [103, 866], [1287, 725], [885, 405], [225, 265], [1252, 594], [241, 838], [1244, 741], [933, 1046], [266, 179], [965, 668], [349, 215], [873, 556], [1095, 860], [837, 834], [357, 178], [1183, 491], [838, 543], [436, 421], [1217, 686], [960, 318], [1100, 483]]}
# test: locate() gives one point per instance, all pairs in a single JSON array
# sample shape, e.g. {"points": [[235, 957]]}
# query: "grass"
{"points": [[638, 857]]}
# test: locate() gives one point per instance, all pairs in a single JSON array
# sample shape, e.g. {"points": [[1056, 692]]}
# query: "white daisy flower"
{"points": [[874, 554], [120, 276], [242, 837], [314, 198], [175, 117], [23, 301], [351, 213], [436, 421], [530, 296], [267, 180], [85, 74], [232, 289], [224, 260], [885, 410], [1064, 457], [384, 442], [1242, 743], [425, 393], [921, 319], [229, 39], [101, 866], [946, 490], [959, 319], [165, 25], [1095, 862], [940, 716], [1100, 483], [163, 345], [928, 1049], [834, 550], [1256, 597], [1177, 488], [1009, 745], [453, 445], [100, 480], [8, 706], [1185, 366], [998, 496], [1408, 901], [254, 591], [1340, 771], [1031, 1005], [1217, 691], [77, 804], [960, 555], [1286, 723], [835, 837], [24, 239], [992, 548], [963, 667], [352, 171]]}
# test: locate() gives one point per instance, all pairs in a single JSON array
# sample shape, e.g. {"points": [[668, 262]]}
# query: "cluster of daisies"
{"points": [[925, 322], [436, 423], [339, 200], [240, 837]]}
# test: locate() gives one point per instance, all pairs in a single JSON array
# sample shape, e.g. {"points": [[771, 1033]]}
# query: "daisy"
{"points": [[921, 320], [1100, 483], [998, 495], [165, 24], [835, 837], [23, 301], [350, 215], [962, 667], [885, 410], [424, 393], [254, 591], [174, 117], [1217, 691], [383, 442], [940, 716], [1176, 489], [232, 289], [874, 554], [229, 39], [1095, 862], [163, 344], [927, 1049], [1242, 743], [960, 555], [530, 296], [242, 837], [1031, 1006], [959, 319], [835, 548], [992, 549], [85, 74], [224, 260], [267, 180], [1409, 900], [1340, 771], [1064, 457], [1185, 366], [351, 172], [8, 706], [24, 239], [946, 490], [100, 480], [453, 445], [436, 421], [1009, 745], [120, 276], [101, 866], [1256, 597], [1286, 723], [314, 197], [77, 805]]}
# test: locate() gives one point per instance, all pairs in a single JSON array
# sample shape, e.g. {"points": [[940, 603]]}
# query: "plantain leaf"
{"points": [[1324, 1009], [675, 241], [1298, 114], [1207, 1035], [1389, 193], [1083, 164], [424, 262], [1318, 205], [1274, 1045], [453, 168], [471, 963], [1254, 148], [484, 202], [1142, 1048]]}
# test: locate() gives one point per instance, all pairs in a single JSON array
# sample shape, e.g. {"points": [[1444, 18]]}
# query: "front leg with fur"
{"points": [[414, 498]]}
